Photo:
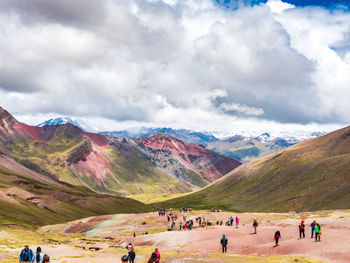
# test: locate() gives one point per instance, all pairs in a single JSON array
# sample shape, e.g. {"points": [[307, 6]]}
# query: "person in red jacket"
{"points": [[157, 254]]}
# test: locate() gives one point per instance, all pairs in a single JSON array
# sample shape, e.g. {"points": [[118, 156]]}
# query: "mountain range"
{"points": [[110, 165], [243, 148], [311, 175]]}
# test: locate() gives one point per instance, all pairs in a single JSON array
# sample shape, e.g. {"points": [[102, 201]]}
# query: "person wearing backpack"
{"points": [[255, 225], [38, 257], [302, 229], [277, 237], [26, 255], [224, 243], [317, 232], [153, 258], [312, 225]]}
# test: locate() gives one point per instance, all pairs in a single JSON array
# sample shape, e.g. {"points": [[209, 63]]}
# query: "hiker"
{"points": [[318, 232], [302, 229], [180, 226], [134, 234], [255, 225], [231, 221], [125, 259], [153, 258], [223, 243], [46, 258], [157, 254], [312, 225], [237, 222], [26, 254], [38, 257], [131, 253], [277, 237]]}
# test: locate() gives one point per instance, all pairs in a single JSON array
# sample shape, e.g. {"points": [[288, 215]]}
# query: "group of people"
{"points": [[130, 258], [27, 255], [230, 220], [315, 229]]}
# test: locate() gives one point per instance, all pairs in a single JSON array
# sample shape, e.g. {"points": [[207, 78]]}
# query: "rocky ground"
{"points": [[102, 239]]}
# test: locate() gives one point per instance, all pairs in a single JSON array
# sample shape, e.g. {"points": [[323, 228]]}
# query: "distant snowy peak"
{"points": [[63, 120]]}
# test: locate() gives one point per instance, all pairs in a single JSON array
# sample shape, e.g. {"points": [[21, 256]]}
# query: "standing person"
{"points": [[302, 229], [255, 225], [317, 232], [157, 254], [224, 243], [153, 258], [277, 237], [125, 259], [237, 222], [312, 225], [38, 257], [131, 253], [26, 255]]}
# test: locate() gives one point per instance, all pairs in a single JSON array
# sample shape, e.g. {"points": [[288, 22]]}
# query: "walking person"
{"points": [[26, 255], [224, 243], [277, 237], [237, 222], [255, 225], [312, 225], [38, 257], [317, 232], [302, 229]]}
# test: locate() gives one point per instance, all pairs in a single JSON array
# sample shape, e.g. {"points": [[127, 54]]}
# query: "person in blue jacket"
{"points": [[224, 243], [26, 255]]}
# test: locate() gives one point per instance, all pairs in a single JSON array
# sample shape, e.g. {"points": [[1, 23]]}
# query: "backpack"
{"points": [[46, 258]]}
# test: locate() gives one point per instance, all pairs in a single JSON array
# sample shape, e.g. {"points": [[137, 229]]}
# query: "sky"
{"points": [[208, 65]]}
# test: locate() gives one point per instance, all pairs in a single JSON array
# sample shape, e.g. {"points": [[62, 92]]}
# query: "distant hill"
{"points": [[200, 138], [311, 175]]}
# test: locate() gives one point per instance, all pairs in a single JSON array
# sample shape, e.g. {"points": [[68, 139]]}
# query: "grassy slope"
{"points": [[135, 173], [312, 175], [69, 204]]}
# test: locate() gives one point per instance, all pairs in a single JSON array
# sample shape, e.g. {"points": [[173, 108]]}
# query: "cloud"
{"points": [[177, 63], [243, 109]]}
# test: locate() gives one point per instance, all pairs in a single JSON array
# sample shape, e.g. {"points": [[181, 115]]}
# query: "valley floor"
{"points": [[103, 239]]}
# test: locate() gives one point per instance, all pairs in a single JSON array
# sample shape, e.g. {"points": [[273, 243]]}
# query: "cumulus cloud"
{"points": [[176, 63]]}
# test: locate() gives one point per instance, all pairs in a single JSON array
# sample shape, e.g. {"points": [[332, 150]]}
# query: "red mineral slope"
{"points": [[206, 164]]}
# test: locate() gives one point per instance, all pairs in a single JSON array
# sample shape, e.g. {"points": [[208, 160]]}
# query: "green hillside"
{"points": [[311, 175], [30, 203]]}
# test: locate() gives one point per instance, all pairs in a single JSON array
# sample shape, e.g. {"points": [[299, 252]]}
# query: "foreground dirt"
{"points": [[103, 239]]}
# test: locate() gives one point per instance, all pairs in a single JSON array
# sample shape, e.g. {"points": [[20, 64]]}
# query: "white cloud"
{"points": [[188, 64]]}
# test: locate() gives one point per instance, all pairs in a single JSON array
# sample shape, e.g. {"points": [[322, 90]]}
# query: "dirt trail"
{"points": [[110, 234]]}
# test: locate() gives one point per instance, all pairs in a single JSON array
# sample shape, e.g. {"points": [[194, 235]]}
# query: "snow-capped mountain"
{"points": [[186, 135], [247, 148], [63, 120]]}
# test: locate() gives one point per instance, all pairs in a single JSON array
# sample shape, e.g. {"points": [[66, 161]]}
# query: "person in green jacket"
{"points": [[317, 232]]}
